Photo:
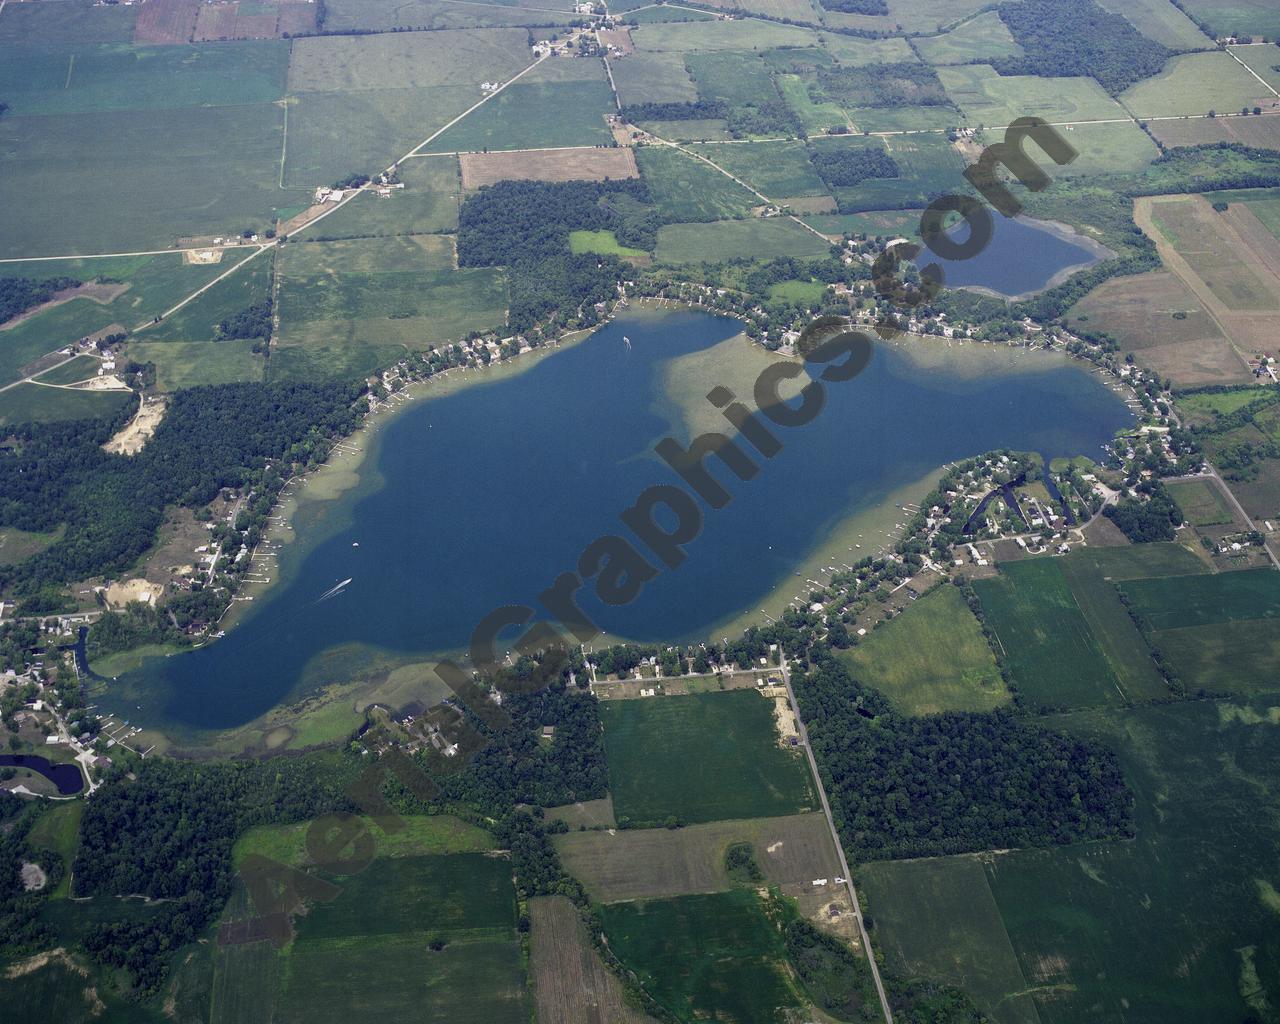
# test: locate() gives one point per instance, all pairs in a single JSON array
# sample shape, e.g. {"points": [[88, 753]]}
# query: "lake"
{"points": [[1023, 257], [67, 777], [479, 498]]}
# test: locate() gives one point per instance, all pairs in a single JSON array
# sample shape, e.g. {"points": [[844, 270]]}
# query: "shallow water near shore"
{"points": [[480, 498]]}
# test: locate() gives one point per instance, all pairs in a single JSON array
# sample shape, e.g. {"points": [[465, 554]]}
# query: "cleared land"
{"points": [[777, 169], [1161, 21], [1196, 83], [428, 203], [570, 983], [1160, 320], [706, 36], [653, 78], [936, 918], [931, 658], [1256, 17], [349, 306], [685, 188], [1160, 928], [1260, 132], [733, 239], [1202, 502], [994, 100], [382, 15], [636, 864], [537, 114], [548, 165], [704, 757], [715, 957], [1229, 261], [982, 38], [1045, 639]]}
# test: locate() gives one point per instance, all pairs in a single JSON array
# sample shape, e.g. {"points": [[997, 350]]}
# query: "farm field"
{"points": [[1201, 502], [711, 957], [75, 79], [378, 928], [779, 170], [1261, 60], [994, 100], [693, 130], [937, 918], [154, 284], [571, 985], [661, 863], [982, 38], [1229, 260], [421, 836], [707, 36], [927, 165], [536, 115], [189, 364], [378, 15], [1256, 17], [1178, 601], [603, 242], [704, 757], [1046, 642], [729, 239], [1160, 21], [180, 173], [1196, 83], [428, 203], [548, 165], [349, 306], [198, 320], [685, 188], [1104, 149], [1160, 320], [653, 78], [1259, 132], [78, 369], [1263, 203], [1172, 926], [34, 403], [931, 658], [76, 21]]}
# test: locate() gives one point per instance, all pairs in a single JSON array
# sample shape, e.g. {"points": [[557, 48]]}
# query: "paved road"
{"points": [[835, 838]]}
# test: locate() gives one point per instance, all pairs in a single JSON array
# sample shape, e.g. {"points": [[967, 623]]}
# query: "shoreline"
{"points": [[1063, 232]]}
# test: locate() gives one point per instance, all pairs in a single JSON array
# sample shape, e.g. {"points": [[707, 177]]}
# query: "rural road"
{"points": [[835, 838]]}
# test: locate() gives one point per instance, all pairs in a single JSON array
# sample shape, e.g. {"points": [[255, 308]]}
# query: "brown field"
{"points": [[1262, 131], [591, 813], [585, 164], [1229, 261], [166, 21], [296, 18], [1139, 312], [633, 864], [217, 21], [810, 204], [619, 37], [571, 985]]}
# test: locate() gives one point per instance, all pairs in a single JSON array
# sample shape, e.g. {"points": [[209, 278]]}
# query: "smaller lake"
{"points": [[1023, 257], [67, 777]]}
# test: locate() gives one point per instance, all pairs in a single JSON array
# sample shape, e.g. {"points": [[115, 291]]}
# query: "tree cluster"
{"points": [[1152, 519], [253, 322], [19, 294], [955, 782], [708, 110], [883, 85], [1078, 39], [845, 167]]}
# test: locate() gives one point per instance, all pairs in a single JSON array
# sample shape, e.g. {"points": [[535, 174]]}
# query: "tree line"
{"points": [[19, 294]]}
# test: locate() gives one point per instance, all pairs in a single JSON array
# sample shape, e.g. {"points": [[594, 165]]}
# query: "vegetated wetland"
{"points": [[426, 554]]}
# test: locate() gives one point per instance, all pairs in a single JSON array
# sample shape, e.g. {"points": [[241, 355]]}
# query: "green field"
{"points": [[1256, 17], [59, 830], [16, 545], [927, 165], [33, 403], [1179, 601], [721, 35], [1196, 83], [654, 78], [183, 177], [1201, 502], [936, 918], [779, 170], [1103, 149], [758, 239], [80, 79], [805, 293], [347, 307], [1160, 929], [189, 364], [982, 38], [1207, 405], [428, 203], [365, 956], [603, 242], [154, 284], [686, 189], [704, 757], [535, 116], [1041, 630], [1261, 60], [75, 21], [711, 957], [730, 77], [78, 369], [346, 15], [198, 320], [931, 658], [420, 836], [994, 100], [1161, 21]]}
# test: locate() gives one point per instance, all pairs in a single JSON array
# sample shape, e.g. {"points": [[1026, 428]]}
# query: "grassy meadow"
{"points": [[703, 757]]}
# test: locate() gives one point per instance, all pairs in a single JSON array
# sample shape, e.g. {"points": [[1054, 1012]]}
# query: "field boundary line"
{"points": [[1254, 73], [803, 731], [200, 291]]}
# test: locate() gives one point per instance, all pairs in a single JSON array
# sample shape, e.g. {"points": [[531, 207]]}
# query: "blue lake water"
{"points": [[480, 498], [1022, 257], [67, 777]]}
